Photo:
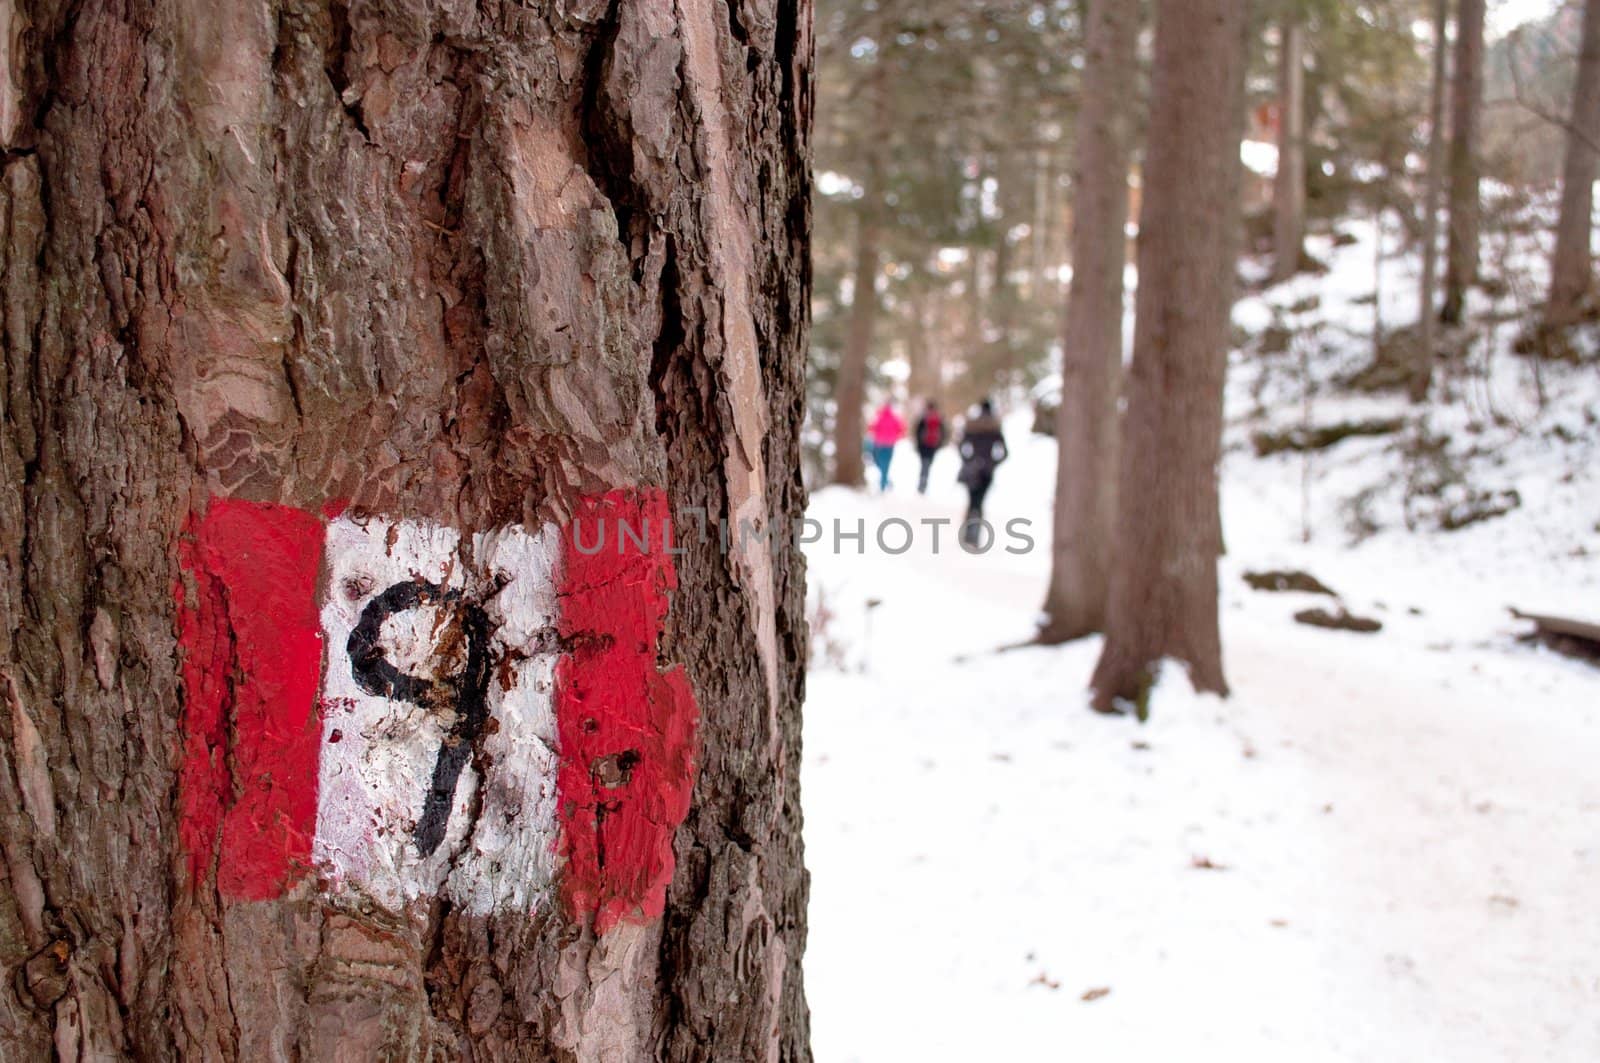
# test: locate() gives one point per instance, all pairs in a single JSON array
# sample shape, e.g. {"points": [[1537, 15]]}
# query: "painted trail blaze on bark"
{"points": [[626, 727], [439, 741], [252, 654], [406, 762]]}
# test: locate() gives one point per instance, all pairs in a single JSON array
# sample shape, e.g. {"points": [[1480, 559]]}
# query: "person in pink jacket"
{"points": [[887, 428]]}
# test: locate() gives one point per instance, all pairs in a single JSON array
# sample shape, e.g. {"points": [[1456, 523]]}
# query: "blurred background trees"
{"points": [[962, 154], [946, 137], [943, 149]]}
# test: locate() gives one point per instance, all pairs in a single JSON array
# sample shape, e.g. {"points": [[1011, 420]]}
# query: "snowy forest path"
{"points": [[1379, 847]]}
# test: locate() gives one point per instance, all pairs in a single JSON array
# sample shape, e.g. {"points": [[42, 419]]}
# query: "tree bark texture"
{"points": [[1572, 266], [469, 266], [1091, 364], [1163, 594], [1289, 185], [1466, 111]]}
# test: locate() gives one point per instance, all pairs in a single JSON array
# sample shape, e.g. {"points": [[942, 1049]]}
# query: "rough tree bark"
{"points": [[1421, 376], [1091, 364], [1163, 597], [1572, 266], [457, 269], [1466, 109], [1289, 185]]}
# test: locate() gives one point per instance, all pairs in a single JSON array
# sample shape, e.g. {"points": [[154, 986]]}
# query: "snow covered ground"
{"points": [[1380, 847]]}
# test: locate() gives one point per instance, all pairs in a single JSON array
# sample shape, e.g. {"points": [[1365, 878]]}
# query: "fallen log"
{"points": [[1287, 580], [1321, 437], [1482, 506], [1340, 621], [1566, 635], [1561, 625]]}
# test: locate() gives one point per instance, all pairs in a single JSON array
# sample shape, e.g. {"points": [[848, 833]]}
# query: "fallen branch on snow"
{"points": [[1287, 580], [1320, 437], [1574, 638], [1340, 621]]}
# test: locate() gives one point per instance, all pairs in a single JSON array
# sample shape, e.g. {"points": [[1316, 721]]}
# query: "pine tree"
{"points": [[1289, 186], [1421, 376], [1572, 265], [1466, 111], [1091, 377], [1163, 598]]}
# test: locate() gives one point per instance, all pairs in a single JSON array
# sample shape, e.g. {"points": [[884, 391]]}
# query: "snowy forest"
{"points": [[706, 531], [1288, 313]]}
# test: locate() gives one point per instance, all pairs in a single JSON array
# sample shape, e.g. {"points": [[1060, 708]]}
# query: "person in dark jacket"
{"points": [[983, 448], [929, 437]]}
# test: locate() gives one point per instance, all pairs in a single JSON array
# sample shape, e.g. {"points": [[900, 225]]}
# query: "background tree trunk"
{"points": [[1044, 217], [1572, 267], [1163, 599], [1466, 108], [460, 265], [1091, 363], [1003, 302], [923, 350], [1289, 185], [1427, 332], [850, 393]]}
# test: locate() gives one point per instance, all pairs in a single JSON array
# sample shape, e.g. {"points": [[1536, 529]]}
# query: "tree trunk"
{"points": [[1163, 597], [1044, 179], [1289, 186], [333, 333], [924, 381], [972, 384], [1427, 332], [850, 394], [850, 390], [1006, 371], [1466, 107], [1572, 266], [1091, 363]]}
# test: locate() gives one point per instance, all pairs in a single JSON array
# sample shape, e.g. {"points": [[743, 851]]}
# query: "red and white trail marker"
{"points": [[392, 816], [410, 712]]}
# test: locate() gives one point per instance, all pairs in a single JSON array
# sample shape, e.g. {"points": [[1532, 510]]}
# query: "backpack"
{"points": [[932, 437]]}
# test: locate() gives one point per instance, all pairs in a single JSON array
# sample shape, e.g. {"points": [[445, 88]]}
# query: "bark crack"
{"points": [[608, 154], [341, 46]]}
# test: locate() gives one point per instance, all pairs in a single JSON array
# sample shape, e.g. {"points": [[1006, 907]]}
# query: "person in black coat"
{"points": [[929, 437], [983, 448]]}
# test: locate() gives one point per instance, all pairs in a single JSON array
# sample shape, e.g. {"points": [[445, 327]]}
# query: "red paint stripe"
{"points": [[252, 647], [626, 727]]}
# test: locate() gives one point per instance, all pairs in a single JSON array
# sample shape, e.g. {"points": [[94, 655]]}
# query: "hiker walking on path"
{"points": [[983, 448], [929, 437], [887, 428]]}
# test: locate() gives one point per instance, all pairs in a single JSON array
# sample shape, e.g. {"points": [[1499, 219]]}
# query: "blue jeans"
{"points": [[881, 456]]}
